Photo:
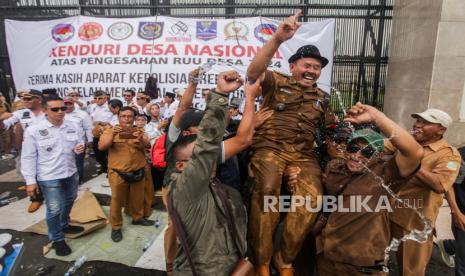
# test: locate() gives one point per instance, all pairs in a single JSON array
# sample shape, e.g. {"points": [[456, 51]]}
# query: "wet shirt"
{"points": [[82, 119], [48, 151], [298, 112], [100, 113], [25, 117], [443, 160], [126, 155], [201, 212], [360, 237]]}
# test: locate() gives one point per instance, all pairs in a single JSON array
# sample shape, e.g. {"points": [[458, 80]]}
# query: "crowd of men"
{"points": [[217, 170]]}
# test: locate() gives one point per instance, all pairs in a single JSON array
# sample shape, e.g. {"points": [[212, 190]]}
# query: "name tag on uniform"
{"points": [[451, 165], [287, 91], [71, 135]]}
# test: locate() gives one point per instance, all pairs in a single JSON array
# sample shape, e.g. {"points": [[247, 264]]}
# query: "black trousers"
{"points": [[101, 156]]}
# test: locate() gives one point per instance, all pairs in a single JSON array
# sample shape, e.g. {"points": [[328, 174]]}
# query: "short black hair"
{"points": [[115, 103], [126, 108], [183, 142], [132, 91], [51, 98]]}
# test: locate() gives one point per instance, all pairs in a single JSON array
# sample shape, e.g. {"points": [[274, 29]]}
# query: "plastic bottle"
{"points": [[8, 201], [77, 264], [205, 68]]}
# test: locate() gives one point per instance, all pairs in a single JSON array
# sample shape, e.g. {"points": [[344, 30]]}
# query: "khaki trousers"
{"points": [[122, 191], [268, 167], [412, 256], [330, 268], [170, 237]]}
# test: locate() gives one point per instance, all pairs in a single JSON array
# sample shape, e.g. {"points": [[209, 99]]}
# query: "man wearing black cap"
{"points": [[285, 139], [31, 115]]}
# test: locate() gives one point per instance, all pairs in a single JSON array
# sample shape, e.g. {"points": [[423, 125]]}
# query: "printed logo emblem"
{"points": [[263, 32], [43, 132], [179, 32], [120, 30], [90, 31], [236, 30], [206, 30], [62, 32], [26, 115], [150, 30]]}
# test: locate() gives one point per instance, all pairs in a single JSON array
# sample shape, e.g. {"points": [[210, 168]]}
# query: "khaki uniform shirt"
{"points": [[440, 158], [199, 207], [359, 238], [126, 155], [298, 112]]}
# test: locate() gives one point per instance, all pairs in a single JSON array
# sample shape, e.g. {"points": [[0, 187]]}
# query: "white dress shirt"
{"points": [[48, 151], [82, 119], [152, 131], [25, 117], [100, 113], [170, 110], [114, 120]]}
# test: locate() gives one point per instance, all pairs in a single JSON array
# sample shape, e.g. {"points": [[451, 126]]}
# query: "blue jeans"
{"points": [[59, 197]]}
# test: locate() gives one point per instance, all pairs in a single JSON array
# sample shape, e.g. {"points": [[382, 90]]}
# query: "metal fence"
{"points": [[363, 28]]}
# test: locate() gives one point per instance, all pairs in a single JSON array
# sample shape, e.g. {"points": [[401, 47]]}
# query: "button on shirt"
{"points": [[82, 119], [25, 117], [48, 151], [100, 113]]}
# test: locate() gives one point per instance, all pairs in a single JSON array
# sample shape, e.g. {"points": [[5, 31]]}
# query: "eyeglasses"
{"points": [[56, 109], [99, 98], [141, 98], [27, 99], [338, 140], [127, 95], [366, 151]]}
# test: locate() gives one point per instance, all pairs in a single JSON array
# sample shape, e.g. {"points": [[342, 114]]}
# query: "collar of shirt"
{"points": [[438, 145], [49, 124]]}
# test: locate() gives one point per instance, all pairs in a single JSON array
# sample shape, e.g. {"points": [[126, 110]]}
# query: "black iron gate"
{"points": [[362, 31]]}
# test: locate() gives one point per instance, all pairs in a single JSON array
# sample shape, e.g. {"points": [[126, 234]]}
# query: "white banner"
{"points": [[115, 54]]}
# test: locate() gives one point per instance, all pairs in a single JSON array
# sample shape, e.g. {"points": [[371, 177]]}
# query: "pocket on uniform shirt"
{"points": [[47, 145], [71, 137]]}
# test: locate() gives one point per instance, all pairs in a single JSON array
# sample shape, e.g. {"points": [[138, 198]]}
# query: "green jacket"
{"points": [[199, 207]]}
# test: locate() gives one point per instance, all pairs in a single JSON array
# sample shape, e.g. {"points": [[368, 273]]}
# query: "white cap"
{"points": [[435, 116], [181, 92]]}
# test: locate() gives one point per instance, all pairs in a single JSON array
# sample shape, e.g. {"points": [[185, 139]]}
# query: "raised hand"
{"points": [[228, 82], [362, 113], [288, 27], [262, 115]]}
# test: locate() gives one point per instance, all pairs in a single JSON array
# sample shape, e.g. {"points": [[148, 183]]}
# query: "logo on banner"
{"points": [[179, 32], [206, 30], [263, 32], [150, 30], [120, 30], [90, 31], [236, 30], [62, 32]]}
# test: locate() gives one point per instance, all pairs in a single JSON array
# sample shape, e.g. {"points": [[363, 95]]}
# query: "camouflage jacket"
{"points": [[199, 207]]}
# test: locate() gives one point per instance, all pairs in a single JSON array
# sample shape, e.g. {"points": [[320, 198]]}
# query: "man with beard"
{"points": [[286, 139], [439, 169]]}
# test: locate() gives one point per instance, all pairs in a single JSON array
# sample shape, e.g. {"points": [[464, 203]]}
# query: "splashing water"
{"points": [[417, 235]]}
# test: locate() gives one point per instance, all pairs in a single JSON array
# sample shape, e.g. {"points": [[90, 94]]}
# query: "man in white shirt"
{"points": [[101, 117], [115, 105], [27, 117], [49, 161], [78, 103], [83, 121], [142, 101], [170, 105], [128, 97]]}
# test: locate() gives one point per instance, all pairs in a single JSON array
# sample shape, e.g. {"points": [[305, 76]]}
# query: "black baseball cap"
{"points": [[191, 118]]}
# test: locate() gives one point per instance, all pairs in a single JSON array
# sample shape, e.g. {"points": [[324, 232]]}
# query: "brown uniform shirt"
{"points": [[440, 158], [293, 128], [359, 238], [126, 155]]}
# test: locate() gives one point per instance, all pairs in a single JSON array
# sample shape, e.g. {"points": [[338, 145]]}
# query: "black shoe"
{"points": [[72, 229], [144, 222], [61, 248], [116, 235]]}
